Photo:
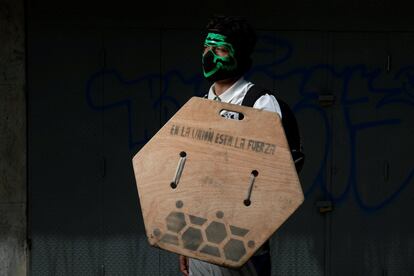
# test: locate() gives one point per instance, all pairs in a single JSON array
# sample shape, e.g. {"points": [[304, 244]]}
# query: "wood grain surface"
{"points": [[205, 216]]}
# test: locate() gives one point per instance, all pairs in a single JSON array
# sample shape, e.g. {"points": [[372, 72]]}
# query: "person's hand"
{"points": [[184, 265]]}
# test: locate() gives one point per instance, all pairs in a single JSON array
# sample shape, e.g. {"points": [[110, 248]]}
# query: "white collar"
{"points": [[232, 92]]}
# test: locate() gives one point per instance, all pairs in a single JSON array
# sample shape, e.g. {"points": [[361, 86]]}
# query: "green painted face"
{"points": [[220, 56]]}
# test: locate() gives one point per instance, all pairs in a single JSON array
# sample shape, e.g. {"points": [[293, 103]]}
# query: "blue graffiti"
{"points": [[402, 94]]}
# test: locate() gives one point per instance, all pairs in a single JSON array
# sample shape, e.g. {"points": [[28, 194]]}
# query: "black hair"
{"points": [[239, 33]]}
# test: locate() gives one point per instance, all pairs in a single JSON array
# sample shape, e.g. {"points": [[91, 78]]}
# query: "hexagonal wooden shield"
{"points": [[215, 188]]}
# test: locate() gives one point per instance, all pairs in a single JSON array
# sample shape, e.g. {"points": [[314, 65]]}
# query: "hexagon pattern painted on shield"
{"points": [[207, 237]]}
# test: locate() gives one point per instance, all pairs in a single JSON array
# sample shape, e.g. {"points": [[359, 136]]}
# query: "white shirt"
{"points": [[235, 95]]}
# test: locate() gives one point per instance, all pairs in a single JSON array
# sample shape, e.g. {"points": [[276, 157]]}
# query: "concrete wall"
{"points": [[12, 139]]}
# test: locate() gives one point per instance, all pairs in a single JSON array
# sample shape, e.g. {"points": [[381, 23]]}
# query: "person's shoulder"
{"points": [[268, 102], [265, 99]]}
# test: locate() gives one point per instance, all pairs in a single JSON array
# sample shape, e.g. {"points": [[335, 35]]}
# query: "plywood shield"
{"points": [[214, 188]]}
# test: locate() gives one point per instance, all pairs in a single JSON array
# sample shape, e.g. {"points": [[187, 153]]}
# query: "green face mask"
{"points": [[219, 61]]}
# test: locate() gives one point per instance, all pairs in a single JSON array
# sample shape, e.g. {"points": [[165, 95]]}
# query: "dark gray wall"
{"points": [[12, 139], [104, 78]]}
